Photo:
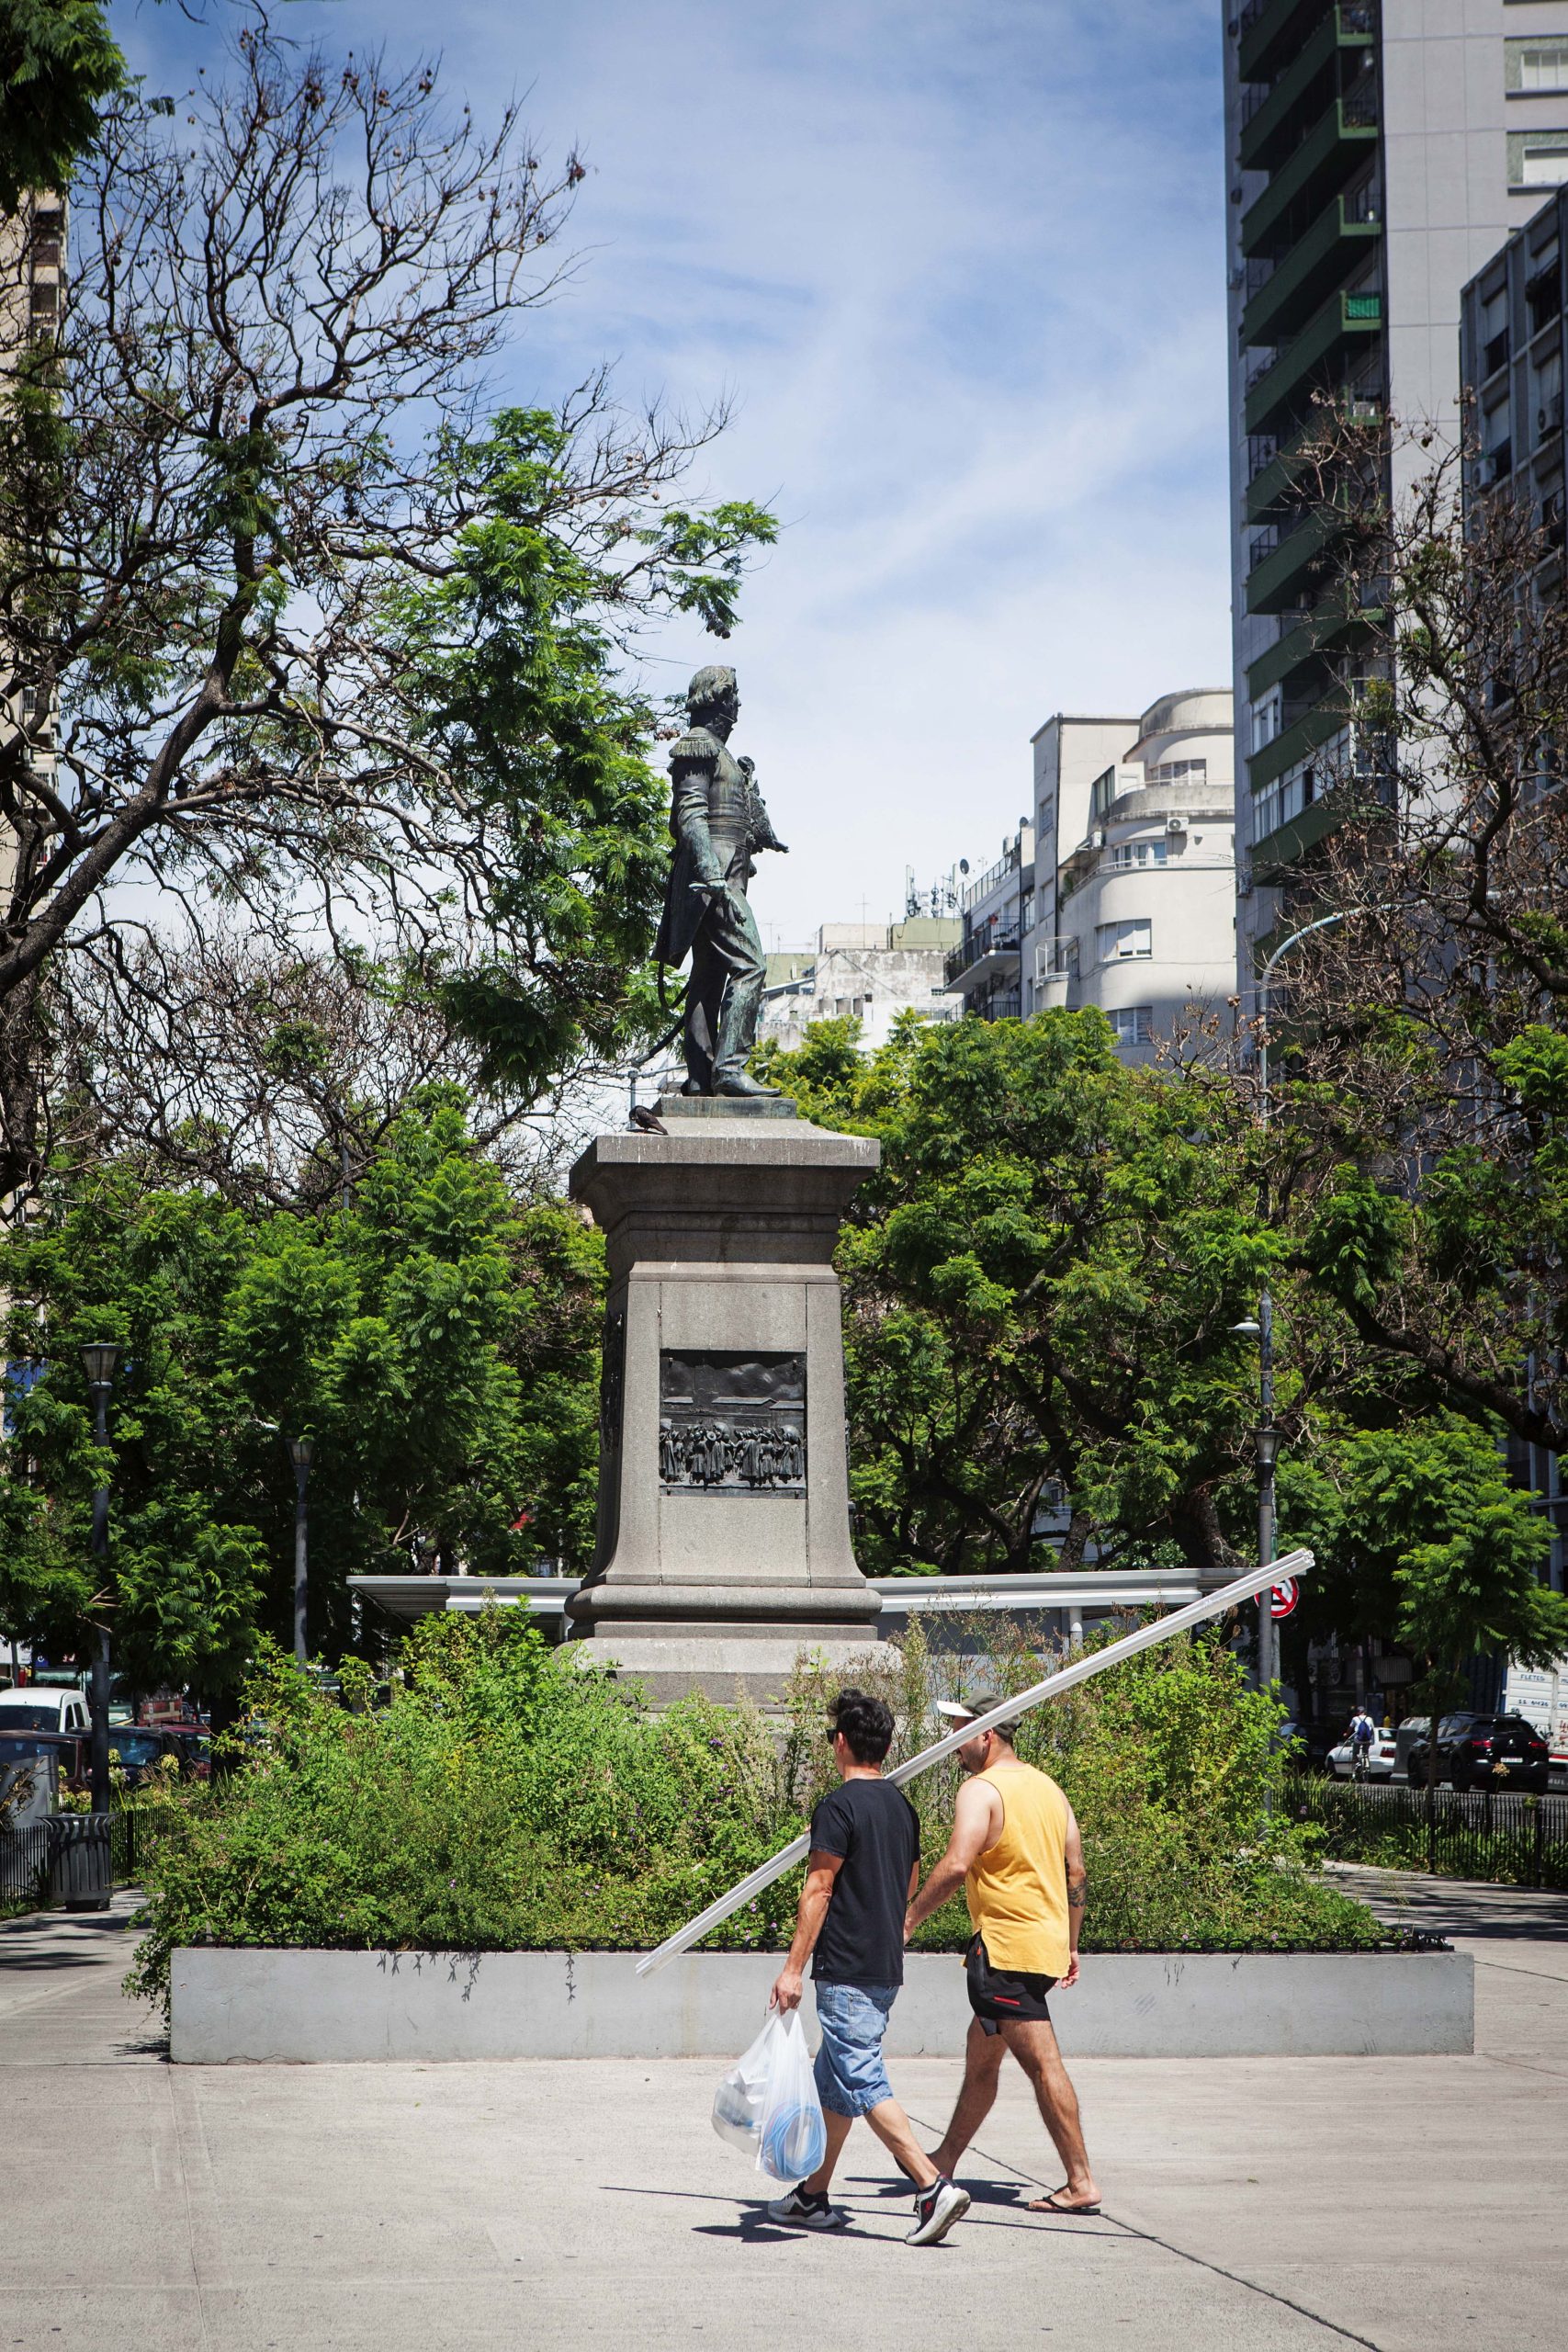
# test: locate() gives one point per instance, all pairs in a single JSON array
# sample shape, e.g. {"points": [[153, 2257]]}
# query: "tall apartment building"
{"points": [[1513, 348], [1513, 354], [996, 908], [1137, 916], [1377, 151]]}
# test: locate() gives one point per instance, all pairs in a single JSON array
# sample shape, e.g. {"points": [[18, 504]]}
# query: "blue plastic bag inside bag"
{"points": [[767, 2104]]}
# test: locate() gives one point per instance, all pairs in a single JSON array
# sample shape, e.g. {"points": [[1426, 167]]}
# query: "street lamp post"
{"points": [[1267, 1440], [300, 1450], [100, 1359], [1268, 1454]]}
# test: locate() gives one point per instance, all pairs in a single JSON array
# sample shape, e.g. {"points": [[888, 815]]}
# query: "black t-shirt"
{"points": [[875, 1827]]}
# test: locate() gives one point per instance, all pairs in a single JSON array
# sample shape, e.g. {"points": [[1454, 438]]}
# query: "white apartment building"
{"points": [[1138, 916], [865, 972], [1378, 152]]}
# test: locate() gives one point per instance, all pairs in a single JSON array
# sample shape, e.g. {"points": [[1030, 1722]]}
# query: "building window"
{"points": [[1119, 943], [1535, 64], [1179, 772], [1265, 717], [1538, 158], [1140, 854], [1132, 1025], [1102, 793]]}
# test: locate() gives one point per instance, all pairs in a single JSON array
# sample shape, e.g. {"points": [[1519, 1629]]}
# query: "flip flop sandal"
{"points": [[1052, 2205]]}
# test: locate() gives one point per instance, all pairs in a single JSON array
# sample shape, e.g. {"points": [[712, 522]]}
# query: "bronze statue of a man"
{"points": [[718, 820]]}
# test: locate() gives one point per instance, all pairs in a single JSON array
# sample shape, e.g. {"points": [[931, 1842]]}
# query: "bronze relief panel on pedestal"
{"points": [[732, 1423]]}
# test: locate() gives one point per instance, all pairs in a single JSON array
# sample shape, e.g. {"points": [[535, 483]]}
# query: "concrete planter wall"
{"points": [[326, 2006]]}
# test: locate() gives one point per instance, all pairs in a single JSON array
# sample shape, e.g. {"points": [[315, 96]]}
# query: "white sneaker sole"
{"points": [[936, 2229]]}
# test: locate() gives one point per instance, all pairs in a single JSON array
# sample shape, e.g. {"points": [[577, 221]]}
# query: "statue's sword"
{"points": [[1211, 1604]]}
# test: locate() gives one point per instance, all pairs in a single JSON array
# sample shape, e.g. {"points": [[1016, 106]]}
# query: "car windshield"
{"points": [[44, 1716], [134, 1746], [12, 1751]]}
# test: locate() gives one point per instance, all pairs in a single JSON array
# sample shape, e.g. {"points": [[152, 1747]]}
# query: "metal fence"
{"points": [[28, 1857], [26, 1861], [1512, 1840]]}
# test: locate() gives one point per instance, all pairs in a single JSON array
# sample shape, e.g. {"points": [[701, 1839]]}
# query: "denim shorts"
{"points": [[850, 2077]]}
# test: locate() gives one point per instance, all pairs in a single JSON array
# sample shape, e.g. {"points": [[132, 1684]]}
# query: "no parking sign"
{"points": [[1283, 1598]]}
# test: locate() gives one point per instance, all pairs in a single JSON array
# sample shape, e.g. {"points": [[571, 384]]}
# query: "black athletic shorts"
{"points": [[997, 1994]]}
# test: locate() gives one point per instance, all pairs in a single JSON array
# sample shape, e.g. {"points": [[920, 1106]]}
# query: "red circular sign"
{"points": [[1283, 1598]]}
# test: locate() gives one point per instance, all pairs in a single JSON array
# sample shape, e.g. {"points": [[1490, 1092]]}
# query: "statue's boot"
{"points": [[739, 1081]]}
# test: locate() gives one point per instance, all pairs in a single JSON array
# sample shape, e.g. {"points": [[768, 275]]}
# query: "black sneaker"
{"points": [[804, 2212], [936, 2210]]}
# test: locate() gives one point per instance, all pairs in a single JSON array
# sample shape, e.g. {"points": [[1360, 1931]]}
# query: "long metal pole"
{"points": [[1213, 1604], [1268, 1661], [100, 1683], [302, 1579]]}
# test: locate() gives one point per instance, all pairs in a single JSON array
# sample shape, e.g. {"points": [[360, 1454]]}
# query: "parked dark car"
{"points": [[1309, 1744], [192, 1743], [137, 1750], [1486, 1752]]}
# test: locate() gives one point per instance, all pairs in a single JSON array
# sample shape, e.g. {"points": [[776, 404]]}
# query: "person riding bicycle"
{"points": [[1362, 1733]]}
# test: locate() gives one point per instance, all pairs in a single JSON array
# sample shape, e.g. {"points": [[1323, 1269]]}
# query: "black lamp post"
{"points": [[1268, 1455], [1265, 1439], [99, 1360], [300, 1450]]}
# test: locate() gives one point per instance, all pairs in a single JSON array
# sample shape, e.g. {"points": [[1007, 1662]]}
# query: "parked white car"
{"points": [[43, 1706], [1381, 1758]]}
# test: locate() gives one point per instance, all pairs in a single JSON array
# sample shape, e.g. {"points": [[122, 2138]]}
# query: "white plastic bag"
{"points": [[767, 2104]]}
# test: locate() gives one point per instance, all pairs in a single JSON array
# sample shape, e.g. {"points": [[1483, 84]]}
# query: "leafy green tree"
{"points": [[436, 1340], [1041, 1284], [1450, 1550], [58, 61]]}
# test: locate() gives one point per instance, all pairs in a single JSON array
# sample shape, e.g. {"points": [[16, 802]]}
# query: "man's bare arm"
{"points": [[975, 1827], [821, 1869], [1077, 1891]]}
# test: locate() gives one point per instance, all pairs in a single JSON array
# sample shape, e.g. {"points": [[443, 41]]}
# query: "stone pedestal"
{"points": [[724, 1537]]}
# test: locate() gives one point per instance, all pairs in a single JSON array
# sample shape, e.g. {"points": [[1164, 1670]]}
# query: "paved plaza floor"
{"points": [[1254, 2205]]}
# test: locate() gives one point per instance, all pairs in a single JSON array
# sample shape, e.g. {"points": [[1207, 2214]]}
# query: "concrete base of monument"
{"points": [[336, 2006], [727, 1664]]}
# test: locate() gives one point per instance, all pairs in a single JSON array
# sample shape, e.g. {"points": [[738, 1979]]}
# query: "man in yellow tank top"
{"points": [[1015, 1851]]}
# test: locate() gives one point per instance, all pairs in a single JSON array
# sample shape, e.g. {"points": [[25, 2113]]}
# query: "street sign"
{"points": [[1283, 1598]]}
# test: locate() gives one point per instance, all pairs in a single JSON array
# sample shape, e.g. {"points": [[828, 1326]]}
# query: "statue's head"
{"points": [[713, 695]]}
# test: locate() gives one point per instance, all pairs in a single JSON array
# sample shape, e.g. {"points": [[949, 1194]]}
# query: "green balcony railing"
{"points": [[1346, 136], [1275, 122], [1313, 360], [1333, 249]]}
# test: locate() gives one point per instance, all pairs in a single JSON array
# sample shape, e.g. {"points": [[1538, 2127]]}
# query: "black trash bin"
{"points": [[83, 1872]]}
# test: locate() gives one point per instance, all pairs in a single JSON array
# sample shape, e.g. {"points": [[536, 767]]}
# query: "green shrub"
{"points": [[515, 1798]]}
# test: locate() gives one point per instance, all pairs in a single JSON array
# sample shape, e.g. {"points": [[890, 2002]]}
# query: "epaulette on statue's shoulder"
{"points": [[698, 745]]}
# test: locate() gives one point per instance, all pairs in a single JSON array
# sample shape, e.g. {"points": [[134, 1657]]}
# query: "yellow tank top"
{"points": [[1017, 1890]]}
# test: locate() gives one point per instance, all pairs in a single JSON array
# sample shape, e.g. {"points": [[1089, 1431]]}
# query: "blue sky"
{"points": [[959, 265]]}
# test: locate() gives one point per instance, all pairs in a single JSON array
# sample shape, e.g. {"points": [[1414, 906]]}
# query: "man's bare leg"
{"points": [[892, 2128], [983, 2055], [1034, 2044], [838, 2132]]}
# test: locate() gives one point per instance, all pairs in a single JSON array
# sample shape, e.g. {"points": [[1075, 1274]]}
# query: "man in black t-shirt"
{"points": [[861, 1874]]}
